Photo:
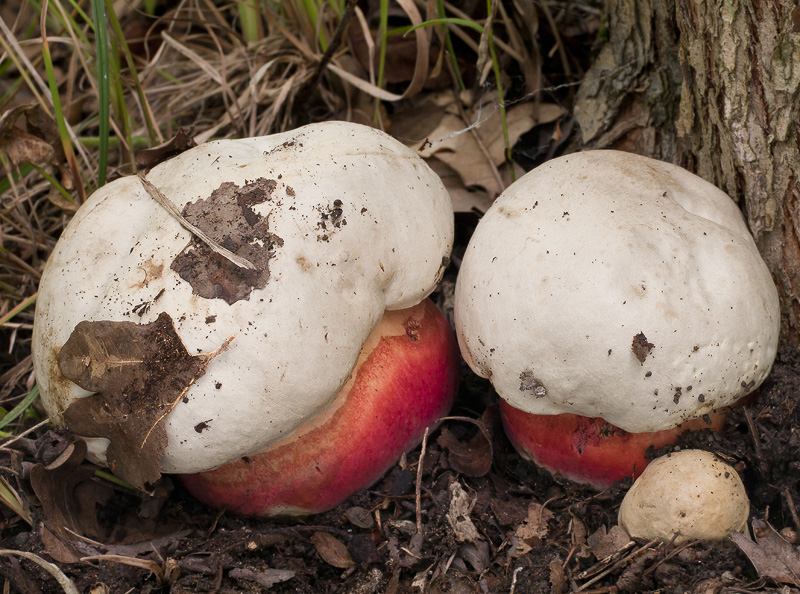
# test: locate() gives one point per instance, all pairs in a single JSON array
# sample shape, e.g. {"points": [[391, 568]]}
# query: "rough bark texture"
{"points": [[713, 85]]}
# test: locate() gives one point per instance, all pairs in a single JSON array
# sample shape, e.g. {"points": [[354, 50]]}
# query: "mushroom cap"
{"points": [[357, 223], [607, 284], [692, 492]]}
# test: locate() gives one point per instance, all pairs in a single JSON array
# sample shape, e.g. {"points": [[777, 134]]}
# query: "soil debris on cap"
{"points": [[227, 216], [139, 372], [640, 347]]}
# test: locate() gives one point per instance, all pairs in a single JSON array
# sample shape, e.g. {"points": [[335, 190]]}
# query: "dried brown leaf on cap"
{"points": [[139, 373]]}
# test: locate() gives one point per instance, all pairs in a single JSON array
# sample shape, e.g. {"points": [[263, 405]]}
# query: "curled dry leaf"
{"points": [[139, 373], [150, 157], [774, 557], [471, 458], [332, 550], [69, 498]]}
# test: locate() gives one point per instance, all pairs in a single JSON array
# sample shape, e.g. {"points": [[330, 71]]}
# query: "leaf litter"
{"points": [[139, 372]]}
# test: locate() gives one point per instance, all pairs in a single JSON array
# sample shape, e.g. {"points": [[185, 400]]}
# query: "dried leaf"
{"points": [[38, 144], [461, 505], [773, 557], [266, 578], [150, 157], [21, 147], [533, 530], [453, 144], [69, 500], [471, 458], [360, 517], [332, 550], [605, 543], [140, 372]]}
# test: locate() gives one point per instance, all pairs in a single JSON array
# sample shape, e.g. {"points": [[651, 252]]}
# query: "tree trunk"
{"points": [[713, 85]]}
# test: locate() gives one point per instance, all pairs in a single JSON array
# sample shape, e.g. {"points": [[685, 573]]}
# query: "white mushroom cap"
{"points": [[332, 273], [610, 285], [692, 492]]}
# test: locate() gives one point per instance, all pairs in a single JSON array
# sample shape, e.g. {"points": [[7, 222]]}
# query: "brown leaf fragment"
{"points": [[605, 543], [266, 577], [150, 157], [139, 373], [640, 347], [360, 517], [69, 500], [471, 457], [558, 581], [21, 147], [39, 143], [774, 557], [227, 217], [332, 550]]}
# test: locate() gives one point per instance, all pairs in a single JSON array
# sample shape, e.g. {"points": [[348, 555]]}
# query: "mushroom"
{"points": [[403, 382], [692, 493], [179, 339], [612, 286]]}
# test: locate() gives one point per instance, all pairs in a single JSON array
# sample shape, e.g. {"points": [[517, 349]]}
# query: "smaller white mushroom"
{"points": [[691, 492]]}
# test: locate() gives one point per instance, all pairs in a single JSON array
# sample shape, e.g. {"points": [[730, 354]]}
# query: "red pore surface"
{"points": [[403, 382], [590, 450]]}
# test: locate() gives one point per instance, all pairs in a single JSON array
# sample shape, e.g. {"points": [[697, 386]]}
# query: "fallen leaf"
{"points": [[69, 500], [458, 513], [773, 556], [227, 216], [140, 372], [21, 147], [150, 157], [266, 578], [453, 143], [332, 550], [605, 543], [471, 458], [360, 517], [533, 530]]}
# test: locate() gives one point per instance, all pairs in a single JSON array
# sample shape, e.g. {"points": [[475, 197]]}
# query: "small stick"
{"points": [[756, 442], [419, 481], [792, 508], [156, 195], [619, 563]]}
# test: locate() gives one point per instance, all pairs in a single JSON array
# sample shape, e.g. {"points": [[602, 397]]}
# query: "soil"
{"points": [[515, 529]]}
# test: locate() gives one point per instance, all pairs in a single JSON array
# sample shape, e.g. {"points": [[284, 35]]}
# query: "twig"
{"points": [[792, 508], [5, 444], [66, 584], [619, 563], [756, 442], [156, 195], [418, 492]]}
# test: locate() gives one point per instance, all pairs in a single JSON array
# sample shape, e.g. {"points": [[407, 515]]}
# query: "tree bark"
{"points": [[713, 85]]}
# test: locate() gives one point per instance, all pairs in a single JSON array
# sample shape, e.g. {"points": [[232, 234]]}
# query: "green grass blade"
{"points": [[24, 404], [103, 90], [250, 16], [152, 128]]}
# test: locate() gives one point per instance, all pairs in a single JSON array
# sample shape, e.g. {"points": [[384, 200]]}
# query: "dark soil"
{"points": [[513, 530]]}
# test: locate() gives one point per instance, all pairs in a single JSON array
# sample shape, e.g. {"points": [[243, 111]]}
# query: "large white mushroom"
{"points": [[609, 285], [332, 224]]}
